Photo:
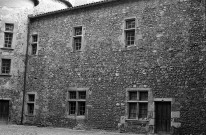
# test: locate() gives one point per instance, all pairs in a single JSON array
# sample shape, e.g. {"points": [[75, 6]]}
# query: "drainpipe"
{"points": [[25, 71]]}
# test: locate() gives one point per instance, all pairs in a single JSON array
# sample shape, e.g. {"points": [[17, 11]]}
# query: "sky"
{"points": [[81, 2]]}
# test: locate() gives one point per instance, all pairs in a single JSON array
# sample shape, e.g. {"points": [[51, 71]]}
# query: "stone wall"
{"points": [[168, 58], [11, 85]]}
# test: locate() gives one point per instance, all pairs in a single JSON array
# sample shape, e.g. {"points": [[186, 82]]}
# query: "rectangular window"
{"points": [[5, 66], [72, 94], [30, 108], [34, 44], [77, 102], [143, 110], [30, 104], [132, 110], [137, 104], [72, 107], [78, 31], [8, 39], [9, 27], [143, 96], [81, 110], [133, 95], [77, 39], [8, 35], [82, 95], [130, 32], [31, 97]]}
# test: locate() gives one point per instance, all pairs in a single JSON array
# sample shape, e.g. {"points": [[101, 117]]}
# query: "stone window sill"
{"points": [[5, 48], [5, 75], [76, 51], [75, 117], [138, 121], [131, 47], [29, 115]]}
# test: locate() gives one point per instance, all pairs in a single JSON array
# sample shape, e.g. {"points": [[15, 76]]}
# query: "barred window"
{"points": [[5, 66]]}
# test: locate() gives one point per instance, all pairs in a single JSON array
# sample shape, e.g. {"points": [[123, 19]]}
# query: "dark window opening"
{"points": [[132, 110], [72, 94], [9, 27], [143, 96], [82, 95], [6, 63], [143, 110], [130, 24], [34, 38], [77, 43], [133, 95], [72, 107], [78, 31], [30, 108], [34, 49], [31, 97], [81, 109]]}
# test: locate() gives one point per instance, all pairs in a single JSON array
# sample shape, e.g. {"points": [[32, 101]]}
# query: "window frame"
{"points": [[11, 32], [34, 43], [137, 102], [129, 30], [77, 100], [9, 65], [77, 36], [31, 102]]}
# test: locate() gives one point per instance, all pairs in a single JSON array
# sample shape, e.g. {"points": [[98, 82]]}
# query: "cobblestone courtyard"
{"points": [[32, 130]]}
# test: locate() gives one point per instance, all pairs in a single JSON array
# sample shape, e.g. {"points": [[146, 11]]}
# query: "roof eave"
{"points": [[72, 8]]}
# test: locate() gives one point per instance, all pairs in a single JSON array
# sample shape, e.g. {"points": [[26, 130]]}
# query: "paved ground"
{"points": [[32, 130]]}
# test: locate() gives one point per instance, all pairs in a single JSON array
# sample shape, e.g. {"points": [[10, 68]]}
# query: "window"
{"points": [[130, 32], [77, 102], [77, 38], [137, 103], [8, 35], [34, 44], [30, 104], [5, 66]]}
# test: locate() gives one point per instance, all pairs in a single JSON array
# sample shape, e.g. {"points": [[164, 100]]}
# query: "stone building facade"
{"points": [[13, 44], [136, 66]]}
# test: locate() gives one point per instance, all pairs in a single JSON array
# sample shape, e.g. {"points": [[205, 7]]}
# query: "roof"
{"points": [[73, 8]]}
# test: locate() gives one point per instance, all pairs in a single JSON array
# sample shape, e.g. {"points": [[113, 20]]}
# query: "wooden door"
{"points": [[4, 111], [162, 117]]}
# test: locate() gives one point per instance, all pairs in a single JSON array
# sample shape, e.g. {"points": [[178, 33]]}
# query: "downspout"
{"points": [[25, 71]]}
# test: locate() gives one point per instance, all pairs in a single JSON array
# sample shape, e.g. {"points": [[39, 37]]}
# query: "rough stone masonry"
{"points": [[167, 60]]}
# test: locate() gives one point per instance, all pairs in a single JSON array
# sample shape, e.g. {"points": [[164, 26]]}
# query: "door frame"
{"points": [[9, 100], [163, 101]]}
